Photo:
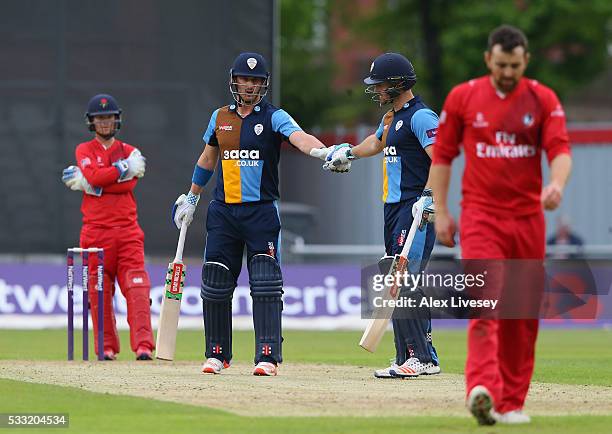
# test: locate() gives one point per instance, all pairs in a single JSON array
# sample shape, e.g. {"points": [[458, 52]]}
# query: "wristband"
{"points": [[193, 199], [201, 176], [123, 167]]}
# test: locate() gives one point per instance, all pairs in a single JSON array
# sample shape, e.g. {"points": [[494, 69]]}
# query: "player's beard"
{"points": [[506, 85]]}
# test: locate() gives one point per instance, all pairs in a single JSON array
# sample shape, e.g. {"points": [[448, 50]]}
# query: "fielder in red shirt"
{"points": [[107, 173], [503, 122]]}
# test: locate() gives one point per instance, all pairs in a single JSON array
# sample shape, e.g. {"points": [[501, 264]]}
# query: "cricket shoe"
{"points": [[413, 367], [480, 404], [514, 417], [110, 355], [214, 366], [386, 372], [143, 353], [265, 369]]}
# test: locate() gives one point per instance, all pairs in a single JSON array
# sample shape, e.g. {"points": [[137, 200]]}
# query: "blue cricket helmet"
{"points": [[391, 67], [100, 105], [394, 69], [249, 65]]}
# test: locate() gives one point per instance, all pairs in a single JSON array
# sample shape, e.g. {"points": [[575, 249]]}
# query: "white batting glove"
{"points": [[339, 160], [132, 166], [424, 209], [184, 208], [321, 153], [75, 181]]}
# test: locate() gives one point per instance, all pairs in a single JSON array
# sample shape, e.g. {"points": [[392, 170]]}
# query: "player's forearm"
{"points": [[104, 177], [439, 180], [429, 151], [560, 169], [121, 187], [305, 142], [206, 161], [196, 189], [204, 169], [370, 146]]}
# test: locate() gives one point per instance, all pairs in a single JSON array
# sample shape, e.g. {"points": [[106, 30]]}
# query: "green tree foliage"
{"points": [[568, 39], [306, 65], [568, 43]]}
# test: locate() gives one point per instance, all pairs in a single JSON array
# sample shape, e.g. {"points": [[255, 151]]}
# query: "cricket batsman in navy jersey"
{"points": [[405, 136], [245, 137]]}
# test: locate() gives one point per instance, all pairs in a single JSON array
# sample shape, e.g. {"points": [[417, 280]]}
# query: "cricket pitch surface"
{"points": [[299, 390]]}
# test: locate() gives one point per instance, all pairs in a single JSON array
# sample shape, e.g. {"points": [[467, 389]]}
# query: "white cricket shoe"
{"points": [[413, 368], [480, 404], [265, 369], [386, 372], [214, 366], [513, 417]]}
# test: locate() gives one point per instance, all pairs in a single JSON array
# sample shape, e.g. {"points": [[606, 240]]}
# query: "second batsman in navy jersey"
{"points": [[405, 137], [242, 141]]}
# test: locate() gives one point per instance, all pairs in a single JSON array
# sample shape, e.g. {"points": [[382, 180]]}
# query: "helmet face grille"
{"points": [[397, 87], [239, 96]]}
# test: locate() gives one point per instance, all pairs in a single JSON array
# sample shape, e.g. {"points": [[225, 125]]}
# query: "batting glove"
{"points": [[339, 160], [424, 209], [184, 208]]}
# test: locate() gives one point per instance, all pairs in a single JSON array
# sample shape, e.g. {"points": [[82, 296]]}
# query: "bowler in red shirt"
{"points": [[503, 122]]}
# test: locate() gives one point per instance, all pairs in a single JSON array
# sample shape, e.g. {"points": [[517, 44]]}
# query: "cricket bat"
{"points": [[171, 303], [378, 324]]}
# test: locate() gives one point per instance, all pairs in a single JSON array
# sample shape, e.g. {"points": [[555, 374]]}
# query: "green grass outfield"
{"points": [[582, 357]]}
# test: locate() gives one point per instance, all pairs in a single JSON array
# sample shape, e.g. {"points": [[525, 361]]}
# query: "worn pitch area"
{"points": [[299, 390]]}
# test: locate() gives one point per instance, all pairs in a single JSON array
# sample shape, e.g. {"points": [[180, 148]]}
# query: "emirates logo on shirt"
{"points": [[505, 147]]}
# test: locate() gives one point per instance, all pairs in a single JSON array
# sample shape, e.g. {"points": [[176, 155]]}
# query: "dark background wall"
{"points": [[165, 61]]}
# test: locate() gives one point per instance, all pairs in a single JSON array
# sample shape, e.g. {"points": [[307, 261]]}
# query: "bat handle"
{"points": [[181, 243]]}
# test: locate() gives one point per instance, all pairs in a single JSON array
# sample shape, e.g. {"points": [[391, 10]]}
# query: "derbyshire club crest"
{"points": [[258, 129], [252, 62], [399, 124]]}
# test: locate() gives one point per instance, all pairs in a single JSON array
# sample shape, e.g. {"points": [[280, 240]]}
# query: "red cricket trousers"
{"points": [[501, 353], [123, 261]]}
